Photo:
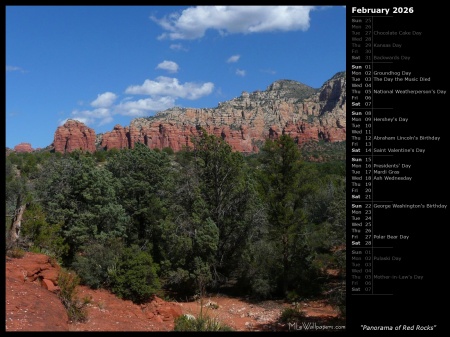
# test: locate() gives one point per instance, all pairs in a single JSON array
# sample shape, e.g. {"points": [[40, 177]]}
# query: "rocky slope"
{"points": [[244, 122], [32, 303]]}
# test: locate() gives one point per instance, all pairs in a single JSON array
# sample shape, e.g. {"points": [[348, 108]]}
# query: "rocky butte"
{"points": [[74, 135], [245, 122], [23, 147]]}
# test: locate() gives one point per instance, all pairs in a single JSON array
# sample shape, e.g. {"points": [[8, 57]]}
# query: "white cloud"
{"points": [[233, 58], [167, 86], [143, 106], [170, 66], [63, 121], [102, 115], [193, 22], [163, 92], [177, 46], [79, 119], [104, 100], [240, 72], [14, 68], [268, 71]]}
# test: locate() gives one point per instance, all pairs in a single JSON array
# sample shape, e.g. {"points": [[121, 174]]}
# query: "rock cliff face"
{"points": [[23, 147], [74, 135], [245, 122]]}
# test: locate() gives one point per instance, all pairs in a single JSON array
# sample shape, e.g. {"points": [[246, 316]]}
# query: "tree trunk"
{"points": [[285, 242], [14, 231]]}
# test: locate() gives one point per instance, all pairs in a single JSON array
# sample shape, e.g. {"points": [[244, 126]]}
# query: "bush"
{"points": [[16, 253], [135, 277], [76, 308], [97, 263], [168, 150], [291, 315], [200, 323], [45, 237]]}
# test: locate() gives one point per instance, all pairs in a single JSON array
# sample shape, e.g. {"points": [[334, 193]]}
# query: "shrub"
{"points": [[45, 238], [16, 253], [95, 266], [76, 308], [290, 315], [168, 150], [200, 323], [135, 276]]}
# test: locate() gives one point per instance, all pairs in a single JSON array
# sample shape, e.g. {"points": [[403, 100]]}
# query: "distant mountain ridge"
{"points": [[285, 107]]}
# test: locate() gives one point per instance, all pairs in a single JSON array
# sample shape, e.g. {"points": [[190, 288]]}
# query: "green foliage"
{"points": [[197, 219], [28, 163], [44, 237], [100, 156], [326, 152], [213, 211], [97, 263], [81, 196], [227, 188], [76, 308], [168, 150], [15, 252], [329, 238], [190, 256], [17, 186], [284, 183], [292, 315], [257, 270], [144, 178], [135, 276]]}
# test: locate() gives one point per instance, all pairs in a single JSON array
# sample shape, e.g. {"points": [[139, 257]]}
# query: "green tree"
{"points": [[212, 216], [144, 178], [190, 244], [227, 187], [327, 235], [20, 176], [42, 236], [284, 184], [81, 196]]}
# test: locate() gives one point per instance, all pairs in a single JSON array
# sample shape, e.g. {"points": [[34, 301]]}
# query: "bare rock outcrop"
{"points": [[23, 147], [116, 139], [244, 122], [74, 135]]}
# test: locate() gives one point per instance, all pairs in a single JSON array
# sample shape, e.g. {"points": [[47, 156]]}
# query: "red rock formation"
{"points": [[23, 147], [286, 107], [74, 135], [116, 139], [167, 311], [36, 268]]}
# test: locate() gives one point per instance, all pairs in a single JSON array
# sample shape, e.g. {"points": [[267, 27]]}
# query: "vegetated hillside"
{"points": [[140, 222]]}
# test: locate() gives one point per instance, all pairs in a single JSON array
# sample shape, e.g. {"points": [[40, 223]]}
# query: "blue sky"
{"points": [[106, 65]]}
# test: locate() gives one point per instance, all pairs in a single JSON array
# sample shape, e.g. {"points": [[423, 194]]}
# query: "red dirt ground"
{"points": [[31, 307]]}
